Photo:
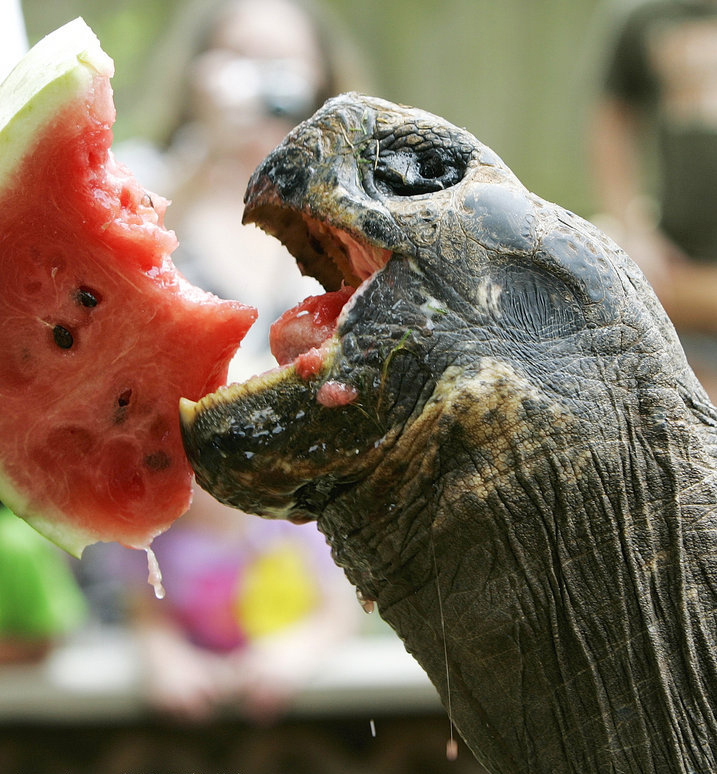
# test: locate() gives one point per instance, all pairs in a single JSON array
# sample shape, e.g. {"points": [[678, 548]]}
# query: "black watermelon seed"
{"points": [[124, 398], [157, 461], [63, 337], [86, 297], [122, 406]]}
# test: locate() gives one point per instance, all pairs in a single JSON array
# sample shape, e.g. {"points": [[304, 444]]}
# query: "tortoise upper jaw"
{"points": [[291, 227], [277, 201], [313, 192]]}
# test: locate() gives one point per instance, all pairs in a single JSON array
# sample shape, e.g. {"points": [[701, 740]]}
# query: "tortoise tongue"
{"points": [[307, 325]]}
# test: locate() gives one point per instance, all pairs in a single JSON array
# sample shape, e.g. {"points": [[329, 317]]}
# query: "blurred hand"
{"points": [[181, 680]]}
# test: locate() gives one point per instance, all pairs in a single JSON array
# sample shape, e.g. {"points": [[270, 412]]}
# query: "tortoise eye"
{"points": [[432, 167], [421, 169]]}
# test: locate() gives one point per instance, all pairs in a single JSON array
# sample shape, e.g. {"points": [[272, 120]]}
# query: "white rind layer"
{"points": [[55, 72]]}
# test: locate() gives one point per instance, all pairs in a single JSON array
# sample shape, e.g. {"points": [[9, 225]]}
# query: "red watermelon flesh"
{"points": [[100, 335]]}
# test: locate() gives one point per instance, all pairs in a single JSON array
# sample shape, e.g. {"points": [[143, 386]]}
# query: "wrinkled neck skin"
{"points": [[575, 584]]}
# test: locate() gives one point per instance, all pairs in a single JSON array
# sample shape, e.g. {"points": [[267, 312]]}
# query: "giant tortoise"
{"points": [[501, 440]]}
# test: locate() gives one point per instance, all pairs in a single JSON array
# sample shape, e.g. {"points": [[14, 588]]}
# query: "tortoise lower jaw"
{"points": [[246, 432], [232, 393], [308, 366]]}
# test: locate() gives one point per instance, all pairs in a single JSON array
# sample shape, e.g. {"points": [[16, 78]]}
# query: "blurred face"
{"points": [[263, 69]]}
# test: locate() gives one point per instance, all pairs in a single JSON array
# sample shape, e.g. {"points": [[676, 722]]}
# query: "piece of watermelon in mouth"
{"points": [[101, 335], [307, 325]]}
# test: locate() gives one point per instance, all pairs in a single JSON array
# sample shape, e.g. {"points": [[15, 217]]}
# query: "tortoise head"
{"points": [[457, 269]]}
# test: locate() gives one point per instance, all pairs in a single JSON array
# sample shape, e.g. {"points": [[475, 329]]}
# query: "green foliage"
{"points": [[38, 594]]}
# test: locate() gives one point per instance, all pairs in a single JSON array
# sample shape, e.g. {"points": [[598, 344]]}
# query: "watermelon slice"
{"points": [[100, 333]]}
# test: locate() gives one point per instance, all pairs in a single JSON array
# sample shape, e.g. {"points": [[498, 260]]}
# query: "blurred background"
{"points": [[517, 74], [524, 77]]}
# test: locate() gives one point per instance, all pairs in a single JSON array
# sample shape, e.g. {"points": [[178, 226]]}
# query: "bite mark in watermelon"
{"points": [[100, 333]]}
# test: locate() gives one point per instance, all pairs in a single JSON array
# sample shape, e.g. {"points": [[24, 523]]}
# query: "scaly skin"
{"points": [[524, 411]]}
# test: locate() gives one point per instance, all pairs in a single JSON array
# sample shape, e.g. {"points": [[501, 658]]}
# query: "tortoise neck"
{"points": [[576, 607]]}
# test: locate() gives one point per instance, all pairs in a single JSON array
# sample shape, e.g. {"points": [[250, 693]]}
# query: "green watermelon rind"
{"points": [[58, 70], [52, 526], [55, 72]]}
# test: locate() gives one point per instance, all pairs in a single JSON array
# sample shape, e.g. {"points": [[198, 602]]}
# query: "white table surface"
{"points": [[97, 677]]}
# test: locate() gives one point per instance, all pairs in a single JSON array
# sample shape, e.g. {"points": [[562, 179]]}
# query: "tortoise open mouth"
{"points": [[263, 426], [340, 261]]}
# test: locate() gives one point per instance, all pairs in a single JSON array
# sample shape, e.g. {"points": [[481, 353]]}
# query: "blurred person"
{"points": [[252, 607], [657, 107], [253, 70], [252, 610]]}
